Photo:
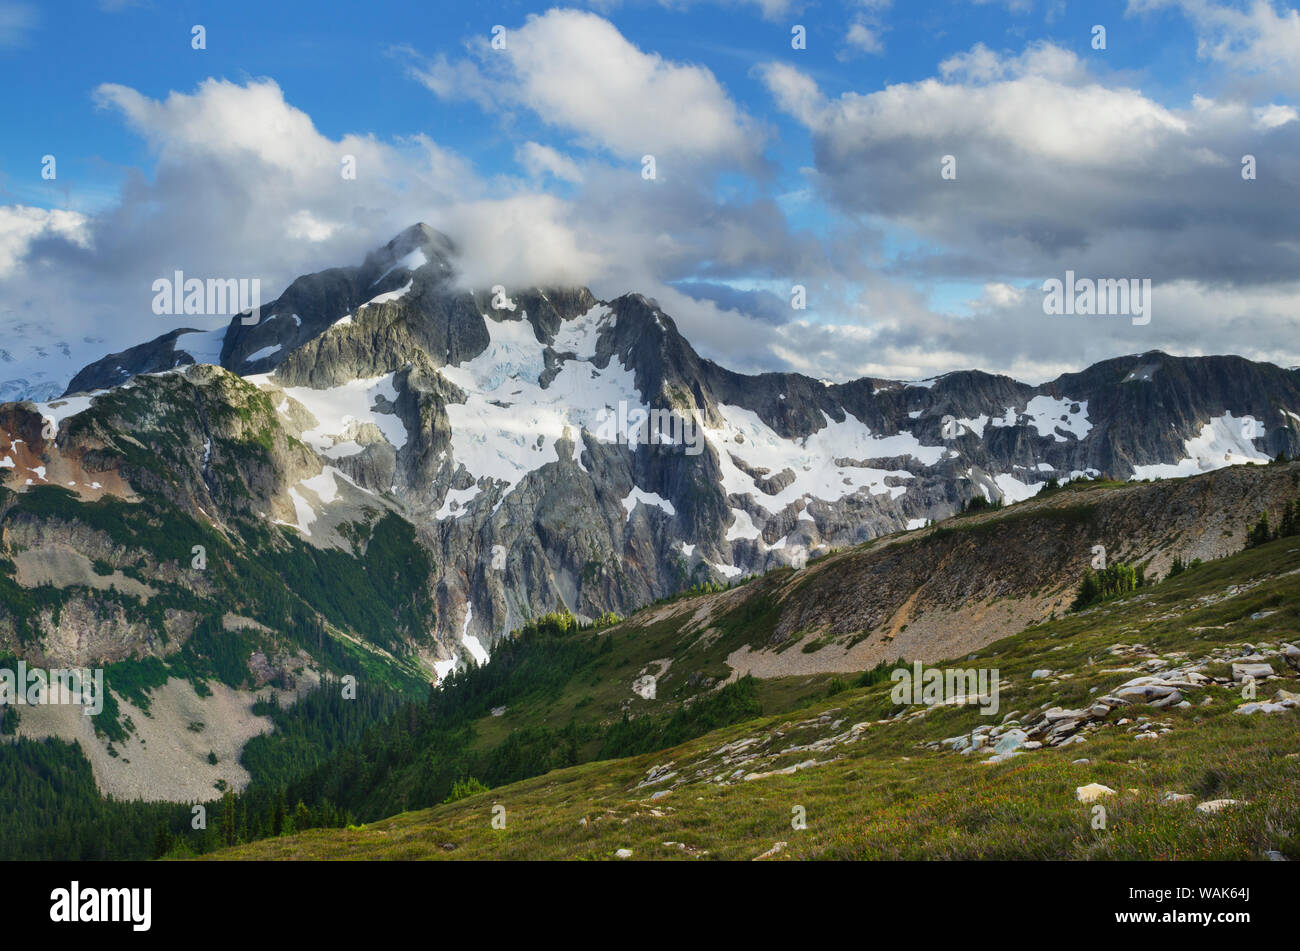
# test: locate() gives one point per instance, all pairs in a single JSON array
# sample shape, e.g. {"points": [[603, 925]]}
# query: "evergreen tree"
{"points": [[228, 829], [1113, 580], [1260, 534], [163, 841], [1287, 527]]}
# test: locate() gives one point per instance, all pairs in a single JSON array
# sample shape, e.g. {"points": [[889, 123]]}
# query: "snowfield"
{"points": [[1224, 441], [509, 424], [1050, 415], [340, 409], [203, 345], [814, 460]]}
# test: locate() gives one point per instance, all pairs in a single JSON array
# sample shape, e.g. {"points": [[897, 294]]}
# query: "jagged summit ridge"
{"points": [[507, 432]]}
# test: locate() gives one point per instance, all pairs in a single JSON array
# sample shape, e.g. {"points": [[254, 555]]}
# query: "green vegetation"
{"points": [[980, 503], [885, 796], [733, 703], [552, 724], [1289, 526], [303, 595], [1109, 582], [382, 593], [464, 788]]}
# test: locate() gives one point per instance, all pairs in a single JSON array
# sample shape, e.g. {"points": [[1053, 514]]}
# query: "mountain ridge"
{"points": [[477, 415]]}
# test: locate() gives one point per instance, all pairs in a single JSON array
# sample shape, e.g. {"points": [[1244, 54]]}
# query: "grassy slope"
{"points": [[207, 437], [883, 795], [749, 614]]}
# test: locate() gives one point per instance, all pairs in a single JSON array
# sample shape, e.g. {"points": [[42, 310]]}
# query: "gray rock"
{"points": [[1092, 792], [1011, 740], [1001, 757], [1265, 707], [1256, 671]]}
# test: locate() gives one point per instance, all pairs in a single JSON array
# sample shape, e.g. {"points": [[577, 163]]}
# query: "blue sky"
{"points": [[776, 166], [338, 63]]}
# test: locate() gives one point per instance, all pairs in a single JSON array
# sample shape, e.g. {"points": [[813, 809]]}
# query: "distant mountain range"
{"points": [[501, 426]]}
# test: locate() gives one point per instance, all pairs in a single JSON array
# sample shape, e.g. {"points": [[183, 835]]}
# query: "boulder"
{"points": [[1255, 671], [1011, 740], [1092, 792], [1215, 805], [1264, 707], [1001, 757]]}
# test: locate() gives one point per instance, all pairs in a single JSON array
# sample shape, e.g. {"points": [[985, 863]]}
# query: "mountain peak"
{"points": [[419, 240], [420, 235]]}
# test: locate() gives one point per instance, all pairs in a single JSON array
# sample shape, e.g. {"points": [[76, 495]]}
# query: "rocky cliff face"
{"points": [[554, 451], [941, 592]]}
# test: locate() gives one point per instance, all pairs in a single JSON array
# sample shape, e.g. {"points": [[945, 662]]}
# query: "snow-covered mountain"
{"points": [[557, 451], [34, 367]]}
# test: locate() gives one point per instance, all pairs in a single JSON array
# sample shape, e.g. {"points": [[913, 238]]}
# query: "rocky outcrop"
{"points": [[497, 422]]}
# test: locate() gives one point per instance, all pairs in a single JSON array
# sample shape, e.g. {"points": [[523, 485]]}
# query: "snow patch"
{"points": [[470, 642], [338, 408], [742, 526], [1224, 441], [410, 262], [475, 648], [389, 296], [304, 514], [203, 345], [1013, 490], [815, 459], [263, 353], [66, 408], [1049, 415], [326, 485], [976, 425], [648, 498], [457, 502]]}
